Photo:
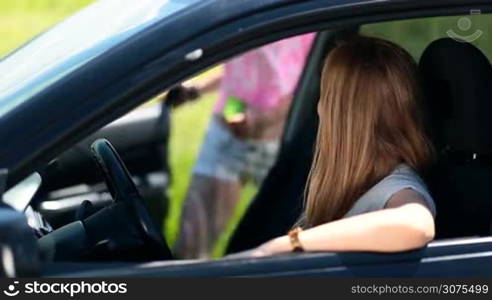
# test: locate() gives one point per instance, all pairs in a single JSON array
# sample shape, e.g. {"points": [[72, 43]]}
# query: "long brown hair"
{"points": [[370, 121]]}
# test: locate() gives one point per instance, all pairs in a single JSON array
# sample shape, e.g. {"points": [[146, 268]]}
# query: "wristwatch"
{"points": [[294, 240]]}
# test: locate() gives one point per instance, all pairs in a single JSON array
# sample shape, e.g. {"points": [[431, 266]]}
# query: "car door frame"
{"points": [[461, 257], [471, 257]]}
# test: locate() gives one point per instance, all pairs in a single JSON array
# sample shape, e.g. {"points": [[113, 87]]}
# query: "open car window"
{"points": [[166, 143], [415, 34]]}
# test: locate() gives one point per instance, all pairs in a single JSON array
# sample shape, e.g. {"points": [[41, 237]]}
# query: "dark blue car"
{"points": [[58, 90]]}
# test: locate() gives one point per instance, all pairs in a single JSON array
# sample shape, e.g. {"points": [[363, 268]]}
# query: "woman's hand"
{"points": [[180, 94], [239, 125], [276, 246], [252, 253]]}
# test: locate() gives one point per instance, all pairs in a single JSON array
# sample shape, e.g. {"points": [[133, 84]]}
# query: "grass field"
{"points": [[21, 20]]}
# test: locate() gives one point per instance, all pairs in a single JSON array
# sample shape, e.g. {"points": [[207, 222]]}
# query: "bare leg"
{"points": [[208, 207]]}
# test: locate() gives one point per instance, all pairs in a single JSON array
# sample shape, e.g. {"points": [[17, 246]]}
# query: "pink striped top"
{"points": [[264, 76]]}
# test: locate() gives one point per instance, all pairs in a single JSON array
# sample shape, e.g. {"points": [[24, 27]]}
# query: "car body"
{"points": [[73, 80]]}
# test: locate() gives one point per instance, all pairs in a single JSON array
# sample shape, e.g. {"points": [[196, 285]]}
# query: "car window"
{"points": [[455, 80], [187, 154], [415, 34], [224, 142]]}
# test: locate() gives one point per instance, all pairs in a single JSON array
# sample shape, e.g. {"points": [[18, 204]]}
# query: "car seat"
{"points": [[457, 81]]}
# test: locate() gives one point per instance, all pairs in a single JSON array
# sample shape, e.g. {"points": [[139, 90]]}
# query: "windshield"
{"points": [[76, 41]]}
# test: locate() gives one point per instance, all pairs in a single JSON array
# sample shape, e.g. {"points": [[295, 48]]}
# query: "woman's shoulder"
{"points": [[402, 173], [402, 177]]}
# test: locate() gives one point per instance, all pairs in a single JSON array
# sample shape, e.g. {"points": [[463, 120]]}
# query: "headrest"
{"points": [[457, 81]]}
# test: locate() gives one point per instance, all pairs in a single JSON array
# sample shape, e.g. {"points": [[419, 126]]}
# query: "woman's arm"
{"points": [[209, 84], [406, 223]]}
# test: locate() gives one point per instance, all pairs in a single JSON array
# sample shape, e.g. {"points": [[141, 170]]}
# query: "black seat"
{"points": [[457, 79]]}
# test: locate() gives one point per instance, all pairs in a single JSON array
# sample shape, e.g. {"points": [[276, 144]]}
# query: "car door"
{"points": [[280, 200], [460, 257], [453, 258]]}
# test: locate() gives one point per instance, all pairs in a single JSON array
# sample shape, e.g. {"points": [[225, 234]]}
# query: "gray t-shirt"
{"points": [[403, 177]]}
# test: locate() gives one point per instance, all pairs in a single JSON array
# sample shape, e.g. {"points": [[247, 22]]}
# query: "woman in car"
{"points": [[364, 191]]}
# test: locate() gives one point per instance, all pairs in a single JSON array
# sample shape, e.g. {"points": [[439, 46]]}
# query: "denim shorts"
{"points": [[226, 157]]}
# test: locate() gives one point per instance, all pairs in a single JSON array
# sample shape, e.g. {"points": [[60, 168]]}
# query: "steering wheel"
{"points": [[123, 190]]}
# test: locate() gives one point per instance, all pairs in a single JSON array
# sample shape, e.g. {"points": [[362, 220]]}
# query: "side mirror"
{"points": [[20, 195], [19, 255]]}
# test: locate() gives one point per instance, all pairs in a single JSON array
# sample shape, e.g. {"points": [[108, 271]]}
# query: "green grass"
{"points": [[21, 20], [247, 194], [188, 129]]}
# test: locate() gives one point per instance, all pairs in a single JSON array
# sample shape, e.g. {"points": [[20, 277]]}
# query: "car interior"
{"points": [[457, 90], [456, 80], [455, 97], [142, 139]]}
